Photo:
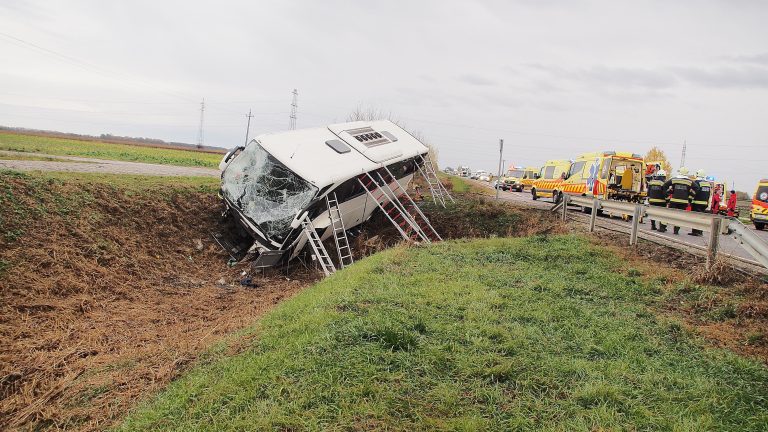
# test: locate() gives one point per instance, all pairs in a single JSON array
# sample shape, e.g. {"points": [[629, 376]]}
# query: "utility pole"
{"points": [[248, 128], [682, 157], [294, 107], [501, 151], [200, 138]]}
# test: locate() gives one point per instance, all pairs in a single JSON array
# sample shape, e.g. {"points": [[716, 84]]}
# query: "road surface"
{"points": [[90, 165], [727, 244]]}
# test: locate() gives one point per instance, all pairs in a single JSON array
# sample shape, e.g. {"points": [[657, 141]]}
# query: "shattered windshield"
{"points": [[266, 191]]}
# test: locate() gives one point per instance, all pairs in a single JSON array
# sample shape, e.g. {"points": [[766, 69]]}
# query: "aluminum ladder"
{"points": [[410, 207], [436, 188], [339, 232], [392, 208], [317, 247]]}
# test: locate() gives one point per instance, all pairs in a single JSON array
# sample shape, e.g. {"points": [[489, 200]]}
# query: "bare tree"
{"points": [[361, 113]]}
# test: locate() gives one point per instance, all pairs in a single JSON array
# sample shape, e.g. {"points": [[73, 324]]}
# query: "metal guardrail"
{"points": [[749, 241], [711, 223]]}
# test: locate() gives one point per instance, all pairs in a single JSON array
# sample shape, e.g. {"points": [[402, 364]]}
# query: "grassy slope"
{"points": [[462, 185], [100, 150], [493, 334], [40, 199]]}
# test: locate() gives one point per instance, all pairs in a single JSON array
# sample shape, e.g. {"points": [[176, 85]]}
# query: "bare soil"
{"points": [[106, 296]]}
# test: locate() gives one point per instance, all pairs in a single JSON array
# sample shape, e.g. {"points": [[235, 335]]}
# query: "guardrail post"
{"points": [[565, 206], [593, 215], [714, 242], [635, 225]]}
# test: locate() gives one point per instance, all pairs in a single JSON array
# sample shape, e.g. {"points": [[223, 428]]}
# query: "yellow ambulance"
{"points": [[530, 174], [550, 176], [517, 178], [606, 175], [759, 212]]}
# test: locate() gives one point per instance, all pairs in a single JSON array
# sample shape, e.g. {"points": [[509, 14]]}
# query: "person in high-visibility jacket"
{"points": [[657, 195], [681, 191], [701, 199]]}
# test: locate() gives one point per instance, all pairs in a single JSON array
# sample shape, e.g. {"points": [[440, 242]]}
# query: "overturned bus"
{"points": [[278, 184]]}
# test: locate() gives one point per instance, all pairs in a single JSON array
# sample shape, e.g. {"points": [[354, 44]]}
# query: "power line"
{"points": [[682, 157], [88, 66], [248, 128], [200, 134], [294, 108]]}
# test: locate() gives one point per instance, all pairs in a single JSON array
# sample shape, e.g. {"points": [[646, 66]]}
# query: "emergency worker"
{"points": [[681, 191], [701, 199], [731, 208], [716, 198], [657, 195]]}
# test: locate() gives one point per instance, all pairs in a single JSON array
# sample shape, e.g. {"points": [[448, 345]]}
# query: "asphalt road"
{"points": [[89, 165], [727, 244]]}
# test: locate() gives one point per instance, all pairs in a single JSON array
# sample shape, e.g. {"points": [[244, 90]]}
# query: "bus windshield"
{"points": [[266, 191]]}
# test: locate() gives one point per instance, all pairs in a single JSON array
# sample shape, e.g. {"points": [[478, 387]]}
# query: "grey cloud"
{"points": [[726, 77], [629, 77], [476, 80], [761, 58], [613, 76]]}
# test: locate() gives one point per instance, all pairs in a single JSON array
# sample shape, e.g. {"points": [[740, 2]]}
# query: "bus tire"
{"points": [[759, 225], [556, 197], [533, 194]]}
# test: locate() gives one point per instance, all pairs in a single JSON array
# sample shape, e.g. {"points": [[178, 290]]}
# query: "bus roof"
{"points": [[338, 152]]}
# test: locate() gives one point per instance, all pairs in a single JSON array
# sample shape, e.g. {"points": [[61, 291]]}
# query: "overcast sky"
{"points": [[553, 78]]}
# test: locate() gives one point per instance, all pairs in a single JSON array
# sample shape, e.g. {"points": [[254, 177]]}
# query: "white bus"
{"points": [[273, 182]]}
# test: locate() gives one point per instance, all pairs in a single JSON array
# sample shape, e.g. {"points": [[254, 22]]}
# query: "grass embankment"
{"points": [[463, 186], [102, 150], [541, 332]]}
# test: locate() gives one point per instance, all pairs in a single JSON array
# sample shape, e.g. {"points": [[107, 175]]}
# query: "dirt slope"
{"points": [[106, 293]]}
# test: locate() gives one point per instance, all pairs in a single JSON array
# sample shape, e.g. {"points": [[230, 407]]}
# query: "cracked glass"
{"points": [[266, 191]]}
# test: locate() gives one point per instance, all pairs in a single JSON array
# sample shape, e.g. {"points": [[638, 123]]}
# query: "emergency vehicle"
{"points": [[607, 175], [516, 177], [530, 176], [550, 175], [759, 213]]}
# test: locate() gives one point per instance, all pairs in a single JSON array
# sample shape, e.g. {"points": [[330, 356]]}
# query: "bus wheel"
{"points": [[556, 197], [759, 225], [533, 194]]}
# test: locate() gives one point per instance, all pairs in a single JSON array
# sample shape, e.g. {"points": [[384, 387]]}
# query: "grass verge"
{"points": [[462, 186], [545, 332], [102, 150]]}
